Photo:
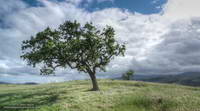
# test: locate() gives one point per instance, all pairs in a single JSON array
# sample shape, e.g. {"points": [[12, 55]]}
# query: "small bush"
{"points": [[128, 75]]}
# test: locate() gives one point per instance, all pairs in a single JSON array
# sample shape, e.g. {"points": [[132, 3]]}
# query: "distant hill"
{"points": [[4, 83], [30, 83], [26, 83], [187, 78], [115, 95]]}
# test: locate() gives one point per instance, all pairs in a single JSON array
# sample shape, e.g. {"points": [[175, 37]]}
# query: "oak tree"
{"points": [[85, 48]]}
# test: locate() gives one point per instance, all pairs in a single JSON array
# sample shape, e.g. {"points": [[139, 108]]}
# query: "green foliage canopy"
{"points": [[84, 48]]}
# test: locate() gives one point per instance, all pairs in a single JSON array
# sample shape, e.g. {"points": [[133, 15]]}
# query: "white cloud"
{"points": [[11, 6], [155, 43], [155, 1], [182, 9]]}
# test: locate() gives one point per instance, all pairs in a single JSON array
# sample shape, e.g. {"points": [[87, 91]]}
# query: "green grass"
{"points": [[115, 95]]}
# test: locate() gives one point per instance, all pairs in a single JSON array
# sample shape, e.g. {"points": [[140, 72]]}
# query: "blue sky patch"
{"points": [[140, 6]]}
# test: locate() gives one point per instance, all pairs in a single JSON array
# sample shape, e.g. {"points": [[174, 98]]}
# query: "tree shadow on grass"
{"points": [[24, 101]]}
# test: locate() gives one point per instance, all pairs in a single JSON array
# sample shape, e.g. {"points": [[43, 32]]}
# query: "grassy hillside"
{"points": [[115, 95]]}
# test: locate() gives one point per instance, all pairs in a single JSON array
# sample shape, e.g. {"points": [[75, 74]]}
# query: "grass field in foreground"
{"points": [[115, 95]]}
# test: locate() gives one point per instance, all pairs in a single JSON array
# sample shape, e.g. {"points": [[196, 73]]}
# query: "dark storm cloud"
{"points": [[178, 52]]}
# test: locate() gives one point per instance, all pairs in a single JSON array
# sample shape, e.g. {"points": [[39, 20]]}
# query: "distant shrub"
{"points": [[128, 75]]}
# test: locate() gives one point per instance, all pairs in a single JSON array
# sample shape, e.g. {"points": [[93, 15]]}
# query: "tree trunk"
{"points": [[94, 82]]}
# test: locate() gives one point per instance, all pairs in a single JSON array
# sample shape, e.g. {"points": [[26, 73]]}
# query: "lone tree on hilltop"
{"points": [[128, 75], [84, 48]]}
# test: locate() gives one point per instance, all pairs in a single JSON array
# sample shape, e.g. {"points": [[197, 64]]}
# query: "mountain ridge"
{"points": [[186, 78]]}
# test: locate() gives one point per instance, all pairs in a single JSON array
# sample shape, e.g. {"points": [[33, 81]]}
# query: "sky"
{"points": [[162, 36]]}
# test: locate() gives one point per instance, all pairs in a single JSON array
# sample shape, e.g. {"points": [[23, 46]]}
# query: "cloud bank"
{"points": [[163, 43]]}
